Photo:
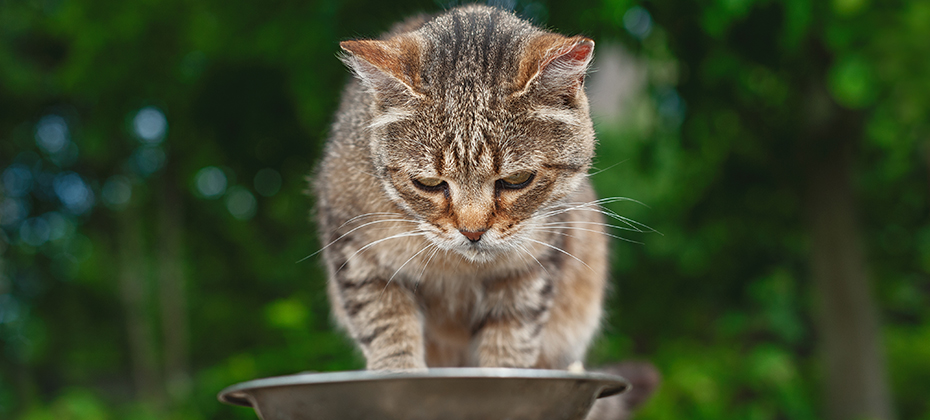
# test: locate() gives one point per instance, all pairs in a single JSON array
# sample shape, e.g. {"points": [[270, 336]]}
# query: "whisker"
{"points": [[590, 230], [399, 235], [436, 250], [629, 222], [562, 251], [636, 226], [608, 200], [527, 252], [563, 207], [557, 232], [402, 267], [599, 202], [597, 171], [372, 214], [570, 223], [350, 231]]}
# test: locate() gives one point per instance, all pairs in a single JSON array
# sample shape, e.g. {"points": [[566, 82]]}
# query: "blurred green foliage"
{"points": [[718, 143]]}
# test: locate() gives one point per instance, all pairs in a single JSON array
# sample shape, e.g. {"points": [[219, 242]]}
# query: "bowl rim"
{"points": [[238, 394]]}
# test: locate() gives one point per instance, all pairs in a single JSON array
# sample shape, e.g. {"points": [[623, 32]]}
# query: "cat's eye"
{"points": [[517, 180], [429, 183]]}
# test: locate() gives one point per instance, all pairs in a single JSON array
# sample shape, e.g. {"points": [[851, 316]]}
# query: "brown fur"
{"points": [[469, 97]]}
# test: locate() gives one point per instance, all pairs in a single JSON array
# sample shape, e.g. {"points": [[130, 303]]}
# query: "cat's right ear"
{"points": [[388, 67], [556, 64]]}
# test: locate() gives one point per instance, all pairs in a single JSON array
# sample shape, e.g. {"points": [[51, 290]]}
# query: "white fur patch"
{"points": [[556, 114], [391, 116]]}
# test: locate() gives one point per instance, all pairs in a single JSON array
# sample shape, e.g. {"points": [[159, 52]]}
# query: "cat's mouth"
{"points": [[477, 252], [488, 249]]}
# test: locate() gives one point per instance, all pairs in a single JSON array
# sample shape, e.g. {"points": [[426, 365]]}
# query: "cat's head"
{"points": [[479, 124]]}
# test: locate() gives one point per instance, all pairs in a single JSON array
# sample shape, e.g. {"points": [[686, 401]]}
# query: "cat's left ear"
{"points": [[387, 66], [555, 63]]}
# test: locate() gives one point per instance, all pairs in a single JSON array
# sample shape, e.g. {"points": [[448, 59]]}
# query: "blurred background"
{"points": [[154, 156]]}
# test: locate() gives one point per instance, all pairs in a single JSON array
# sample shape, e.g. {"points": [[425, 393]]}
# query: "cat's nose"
{"points": [[473, 236]]}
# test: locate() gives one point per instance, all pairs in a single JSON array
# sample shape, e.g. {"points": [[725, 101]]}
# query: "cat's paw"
{"points": [[576, 367]]}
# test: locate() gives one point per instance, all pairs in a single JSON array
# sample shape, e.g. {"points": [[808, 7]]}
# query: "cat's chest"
{"points": [[450, 300], [450, 316]]}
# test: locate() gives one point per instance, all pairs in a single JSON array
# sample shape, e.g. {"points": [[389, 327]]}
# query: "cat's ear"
{"points": [[387, 66], [555, 63]]}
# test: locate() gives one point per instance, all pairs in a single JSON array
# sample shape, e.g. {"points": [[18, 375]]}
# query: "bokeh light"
{"points": [[210, 182], [638, 22], [13, 211], [35, 231], [671, 108], [52, 133], [241, 203], [17, 180], [150, 125], [74, 194]]}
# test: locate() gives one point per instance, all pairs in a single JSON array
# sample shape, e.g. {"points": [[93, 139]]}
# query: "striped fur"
{"points": [[469, 97]]}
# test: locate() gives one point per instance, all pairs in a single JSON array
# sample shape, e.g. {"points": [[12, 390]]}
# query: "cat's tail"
{"points": [[645, 379]]}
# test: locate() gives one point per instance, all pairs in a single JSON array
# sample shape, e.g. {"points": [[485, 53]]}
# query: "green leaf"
{"points": [[851, 82], [287, 314]]}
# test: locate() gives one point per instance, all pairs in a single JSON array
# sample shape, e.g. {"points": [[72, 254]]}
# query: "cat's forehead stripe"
{"points": [[473, 45], [468, 122]]}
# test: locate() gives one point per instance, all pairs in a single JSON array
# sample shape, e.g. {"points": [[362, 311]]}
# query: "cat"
{"points": [[459, 224]]}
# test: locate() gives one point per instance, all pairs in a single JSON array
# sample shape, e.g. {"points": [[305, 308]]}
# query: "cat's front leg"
{"points": [[517, 310], [384, 320]]}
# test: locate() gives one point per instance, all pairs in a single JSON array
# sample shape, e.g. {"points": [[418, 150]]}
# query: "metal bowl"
{"points": [[444, 393]]}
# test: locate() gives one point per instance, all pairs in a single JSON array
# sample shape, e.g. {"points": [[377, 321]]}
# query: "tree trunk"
{"points": [[173, 296], [850, 340], [133, 292], [21, 376]]}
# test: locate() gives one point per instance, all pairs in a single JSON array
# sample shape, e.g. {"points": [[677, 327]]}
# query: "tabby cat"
{"points": [[459, 224]]}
